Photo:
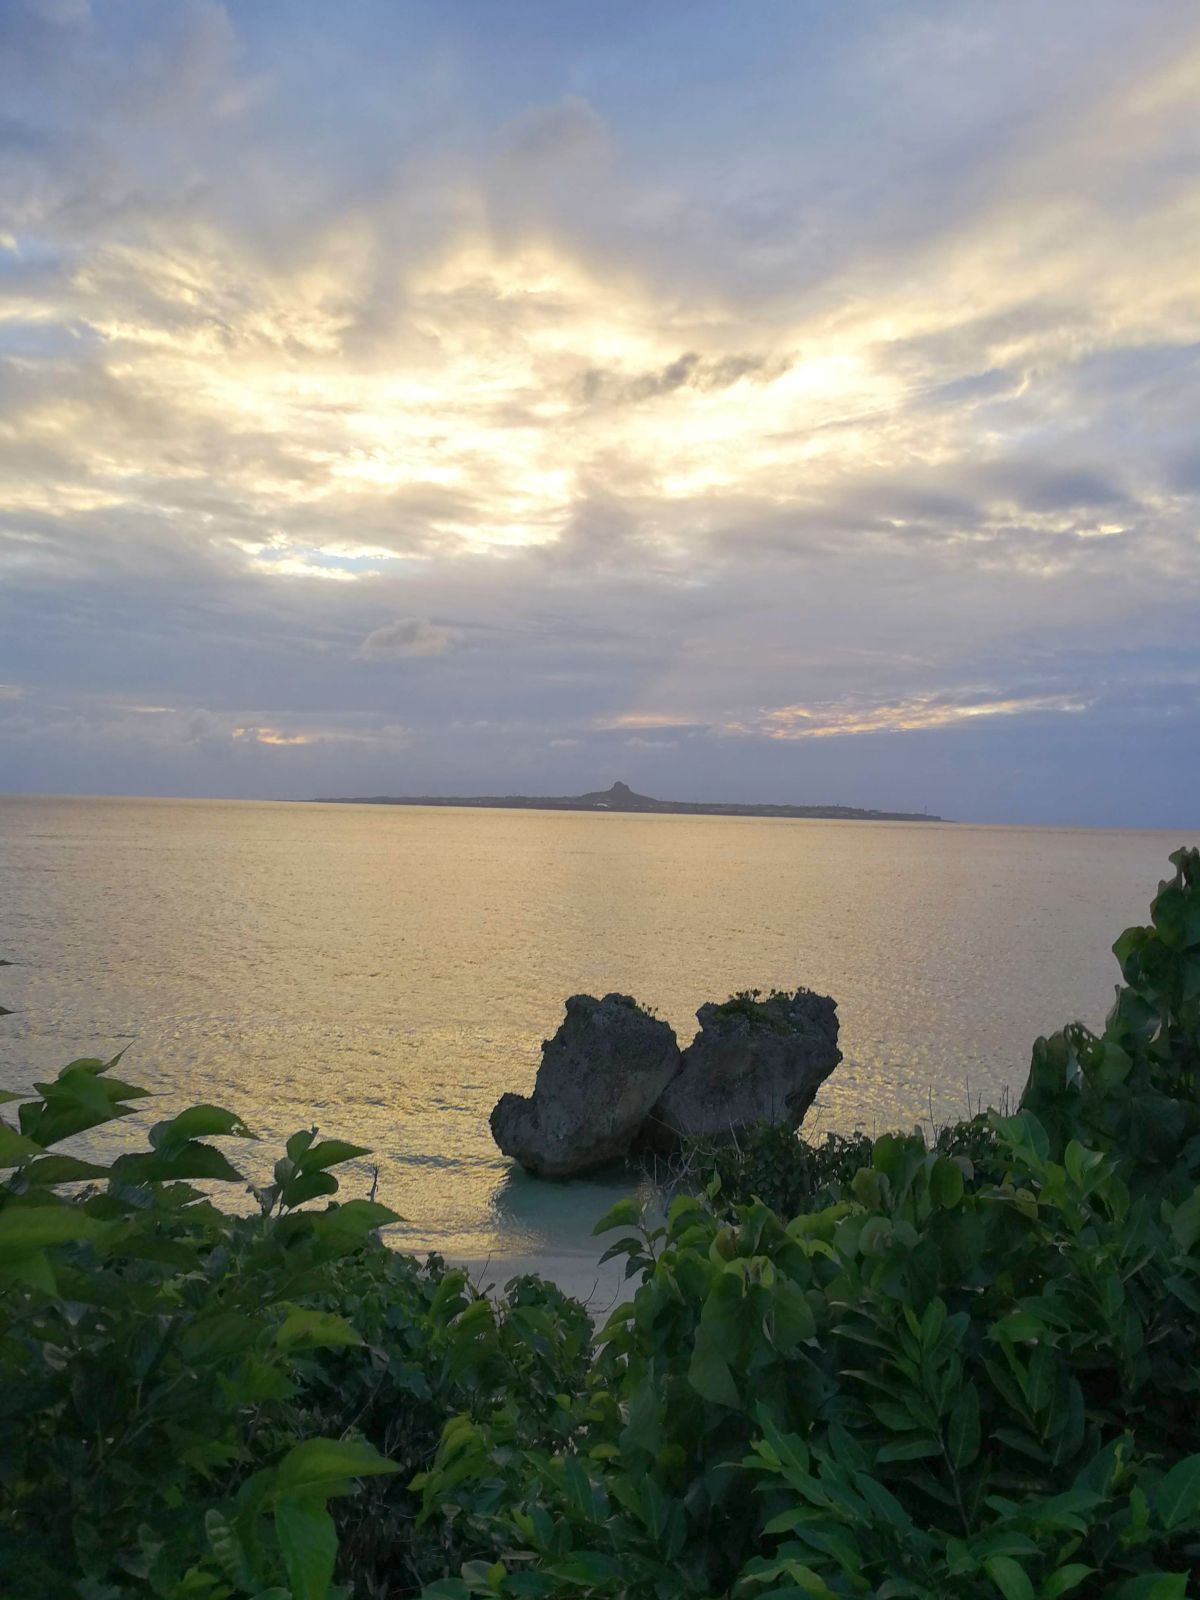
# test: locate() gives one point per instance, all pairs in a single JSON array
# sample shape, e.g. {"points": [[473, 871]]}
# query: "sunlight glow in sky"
{"points": [[794, 402]]}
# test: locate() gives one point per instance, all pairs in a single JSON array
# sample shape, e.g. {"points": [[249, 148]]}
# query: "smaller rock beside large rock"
{"points": [[752, 1061], [601, 1073]]}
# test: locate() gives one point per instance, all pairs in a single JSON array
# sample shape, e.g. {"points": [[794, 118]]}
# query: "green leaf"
{"points": [[26, 1229], [709, 1375], [329, 1153], [314, 1330], [589, 1569], [1177, 1498], [327, 1465], [188, 1160], [963, 1432], [1009, 1577], [908, 1450], [198, 1122], [1185, 1222], [946, 1183], [308, 1544], [625, 1214], [14, 1146], [357, 1217], [1064, 1580], [33, 1270], [52, 1169], [1153, 1586], [307, 1187], [299, 1143]]}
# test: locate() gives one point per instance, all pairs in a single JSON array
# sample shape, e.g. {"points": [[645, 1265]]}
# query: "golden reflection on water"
{"points": [[388, 972]]}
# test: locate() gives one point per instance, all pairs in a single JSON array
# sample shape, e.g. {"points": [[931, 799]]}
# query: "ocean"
{"points": [[387, 972]]}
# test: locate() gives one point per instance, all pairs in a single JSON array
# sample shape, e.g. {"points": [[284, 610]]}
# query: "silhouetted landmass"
{"points": [[622, 798]]}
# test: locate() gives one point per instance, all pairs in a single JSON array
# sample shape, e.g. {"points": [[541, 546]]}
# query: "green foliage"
{"points": [[197, 1406], [755, 1006], [969, 1370], [771, 1163]]}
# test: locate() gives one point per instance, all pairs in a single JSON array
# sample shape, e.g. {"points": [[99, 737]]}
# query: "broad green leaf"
{"points": [[1009, 1577], [1177, 1498], [1064, 1580], [681, 1206], [189, 1160], [307, 1186], [329, 1153], [308, 1544], [49, 1122], [358, 1217], [1153, 1586], [946, 1183], [625, 1214], [709, 1375], [26, 1229], [14, 1146], [311, 1330], [52, 1169], [327, 1465], [630, 1245], [33, 1270], [1185, 1222], [198, 1122], [299, 1143]]}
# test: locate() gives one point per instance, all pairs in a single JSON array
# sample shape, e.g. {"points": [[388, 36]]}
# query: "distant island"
{"points": [[622, 798]]}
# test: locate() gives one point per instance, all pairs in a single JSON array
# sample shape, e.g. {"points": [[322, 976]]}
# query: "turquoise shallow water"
{"points": [[387, 973]]}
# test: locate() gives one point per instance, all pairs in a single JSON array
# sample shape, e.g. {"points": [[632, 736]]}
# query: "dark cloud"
{"points": [[687, 371], [408, 638]]}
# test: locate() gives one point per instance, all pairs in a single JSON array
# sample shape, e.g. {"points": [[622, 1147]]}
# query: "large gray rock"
{"points": [[752, 1061], [600, 1074]]}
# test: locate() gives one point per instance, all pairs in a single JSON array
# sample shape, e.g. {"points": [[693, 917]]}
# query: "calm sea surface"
{"points": [[388, 972]]}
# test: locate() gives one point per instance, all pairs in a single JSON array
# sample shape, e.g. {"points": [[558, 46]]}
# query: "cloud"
{"points": [[687, 371], [870, 411], [928, 711], [406, 639]]}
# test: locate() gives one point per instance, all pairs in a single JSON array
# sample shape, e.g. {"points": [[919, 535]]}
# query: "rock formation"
{"points": [[613, 1079], [752, 1061], [600, 1074]]}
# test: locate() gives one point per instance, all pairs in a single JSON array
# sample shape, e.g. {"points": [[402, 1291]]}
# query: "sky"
{"points": [[791, 401]]}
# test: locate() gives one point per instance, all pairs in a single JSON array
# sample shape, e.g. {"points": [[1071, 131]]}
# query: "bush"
{"points": [[772, 1163], [188, 1399]]}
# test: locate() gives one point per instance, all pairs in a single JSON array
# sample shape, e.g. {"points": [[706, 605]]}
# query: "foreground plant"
{"points": [[195, 1405]]}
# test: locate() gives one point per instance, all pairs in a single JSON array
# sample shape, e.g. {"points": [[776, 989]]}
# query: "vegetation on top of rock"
{"points": [[754, 1005], [967, 1369]]}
